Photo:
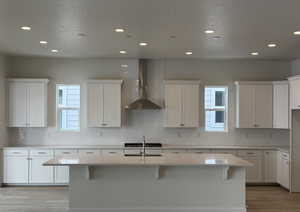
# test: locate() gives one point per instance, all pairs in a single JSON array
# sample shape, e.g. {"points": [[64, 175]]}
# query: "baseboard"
{"points": [[158, 210]]}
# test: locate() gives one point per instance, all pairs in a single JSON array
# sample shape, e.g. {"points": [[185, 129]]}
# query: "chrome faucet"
{"points": [[144, 146]]}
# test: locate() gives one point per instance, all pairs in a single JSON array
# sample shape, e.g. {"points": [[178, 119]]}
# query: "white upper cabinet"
{"points": [[27, 102], [254, 105], [281, 104], [182, 103], [295, 92], [104, 103]]}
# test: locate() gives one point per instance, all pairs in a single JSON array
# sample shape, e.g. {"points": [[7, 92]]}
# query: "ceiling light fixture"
{"points": [[26, 28], [254, 53], [143, 44], [123, 52], [54, 50], [209, 31], [43, 42], [297, 33], [189, 53], [119, 30], [272, 45]]}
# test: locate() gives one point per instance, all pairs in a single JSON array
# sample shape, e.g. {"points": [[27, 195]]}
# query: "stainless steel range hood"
{"points": [[143, 102]]}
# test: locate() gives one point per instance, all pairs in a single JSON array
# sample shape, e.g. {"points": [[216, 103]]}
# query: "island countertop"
{"points": [[164, 160]]}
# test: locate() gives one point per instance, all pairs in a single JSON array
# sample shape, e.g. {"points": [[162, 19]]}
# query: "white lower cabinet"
{"points": [[253, 173], [62, 172], [16, 169], [40, 174], [283, 167], [270, 166]]}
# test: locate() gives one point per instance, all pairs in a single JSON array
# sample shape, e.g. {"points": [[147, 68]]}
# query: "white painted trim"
{"points": [[283, 82], [158, 210], [27, 80], [197, 82], [296, 77], [253, 82], [105, 81]]}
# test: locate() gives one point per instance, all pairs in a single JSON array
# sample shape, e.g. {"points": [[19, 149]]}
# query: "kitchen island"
{"points": [[181, 182]]}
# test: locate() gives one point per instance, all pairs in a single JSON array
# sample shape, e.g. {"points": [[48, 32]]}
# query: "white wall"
{"points": [[3, 131], [149, 123]]}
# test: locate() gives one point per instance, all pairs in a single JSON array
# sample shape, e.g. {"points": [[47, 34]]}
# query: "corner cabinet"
{"points": [[27, 102], [254, 104], [104, 106], [281, 104], [295, 92], [182, 103]]}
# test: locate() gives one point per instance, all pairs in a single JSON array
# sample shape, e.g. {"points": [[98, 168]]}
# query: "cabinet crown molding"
{"points": [[105, 81], [282, 82], [253, 82], [27, 80], [197, 82]]}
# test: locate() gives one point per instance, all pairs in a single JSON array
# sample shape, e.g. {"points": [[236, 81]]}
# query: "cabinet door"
{"points": [[254, 173], [17, 104], [263, 106], [16, 169], [285, 173], [245, 106], [294, 94], [94, 104], [173, 102], [270, 166], [281, 106], [190, 104], [111, 105], [39, 173], [61, 175], [37, 105]]}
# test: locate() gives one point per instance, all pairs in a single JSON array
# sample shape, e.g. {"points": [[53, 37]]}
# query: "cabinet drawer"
{"points": [[59, 152], [112, 151], [224, 151], [89, 152], [16, 152], [250, 153], [41, 152], [198, 151]]}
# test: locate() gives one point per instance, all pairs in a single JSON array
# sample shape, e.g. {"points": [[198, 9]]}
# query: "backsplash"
{"points": [[147, 122]]}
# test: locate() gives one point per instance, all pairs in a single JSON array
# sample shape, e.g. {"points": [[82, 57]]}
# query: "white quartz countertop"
{"points": [[164, 160]]}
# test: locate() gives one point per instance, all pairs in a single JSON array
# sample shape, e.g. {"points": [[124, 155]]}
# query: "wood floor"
{"points": [[54, 199]]}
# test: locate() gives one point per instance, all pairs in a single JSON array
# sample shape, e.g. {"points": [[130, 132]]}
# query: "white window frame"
{"points": [[218, 109], [58, 109]]}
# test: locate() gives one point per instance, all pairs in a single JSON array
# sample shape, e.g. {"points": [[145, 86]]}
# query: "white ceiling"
{"points": [[244, 26]]}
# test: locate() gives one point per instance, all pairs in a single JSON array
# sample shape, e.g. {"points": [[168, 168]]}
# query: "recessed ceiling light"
{"points": [[119, 30], [272, 45], [54, 50], [43, 42], [143, 44], [123, 52], [26, 28], [209, 31], [254, 53], [297, 33], [189, 53]]}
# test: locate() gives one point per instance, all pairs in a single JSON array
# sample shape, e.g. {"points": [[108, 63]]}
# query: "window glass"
{"points": [[68, 107], [215, 108]]}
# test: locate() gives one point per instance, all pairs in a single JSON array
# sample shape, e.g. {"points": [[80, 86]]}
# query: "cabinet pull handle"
{"points": [[89, 152], [104, 124], [250, 153], [181, 124], [16, 152], [66, 153], [42, 152]]}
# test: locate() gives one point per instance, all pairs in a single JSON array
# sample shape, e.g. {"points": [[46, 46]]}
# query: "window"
{"points": [[68, 107], [215, 108]]}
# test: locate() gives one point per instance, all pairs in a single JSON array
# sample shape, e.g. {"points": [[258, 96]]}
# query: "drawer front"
{"points": [[112, 151], [16, 152], [198, 151], [250, 153], [153, 151], [59, 152], [41, 152], [89, 152], [224, 151], [174, 151]]}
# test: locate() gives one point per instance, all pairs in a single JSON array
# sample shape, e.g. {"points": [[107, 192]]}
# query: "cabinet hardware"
{"points": [[16, 152], [250, 153], [89, 152], [42, 152], [66, 152], [104, 124], [181, 124]]}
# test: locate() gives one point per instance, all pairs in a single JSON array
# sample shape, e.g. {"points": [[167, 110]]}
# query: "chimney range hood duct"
{"points": [[143, 102]]}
